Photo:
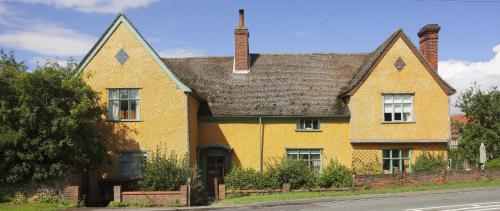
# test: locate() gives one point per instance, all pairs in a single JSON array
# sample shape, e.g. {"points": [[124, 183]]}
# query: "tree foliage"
{"points": [[482, 109], [48, 121], [165, 172], [429, 162]]}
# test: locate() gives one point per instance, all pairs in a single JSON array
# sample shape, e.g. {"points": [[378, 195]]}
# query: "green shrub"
{"points": [[20, 199], [429, 162], [164, 172], [197, 189], [6, 198], [335, 175], [493, 164], [245, 178], [295, 172], [130, 204]]}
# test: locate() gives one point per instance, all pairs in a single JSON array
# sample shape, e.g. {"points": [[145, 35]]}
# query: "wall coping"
{"points": [[152, 192]]}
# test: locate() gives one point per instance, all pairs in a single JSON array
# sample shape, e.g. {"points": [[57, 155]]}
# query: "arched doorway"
{"points": [[214, 161]]}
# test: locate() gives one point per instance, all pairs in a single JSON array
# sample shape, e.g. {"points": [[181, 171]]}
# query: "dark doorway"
{"points": [[215, 169]]}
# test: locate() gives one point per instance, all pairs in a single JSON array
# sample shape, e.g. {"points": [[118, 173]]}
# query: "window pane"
{"points": [[387, 117], [123, 94], [387, 98], [316, 165], [406, 117], [397, 99], [301, 124], [114, 110], [113, 94], [395, 165], [406, 98], [123, 109], [292, 156], [386, 153], [395, 153], [387, 165], [304, 156], [133, 109], [407, 107], [133, 94], [388, 108], [315, 124], [405, 153], [397, 108], [315, 156], [397, 116]]}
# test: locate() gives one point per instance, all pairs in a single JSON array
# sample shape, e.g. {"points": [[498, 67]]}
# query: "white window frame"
{"points": [[120, 159], [394, 104], [399, 158], [297, 152], [117, 100], [302, 126]]}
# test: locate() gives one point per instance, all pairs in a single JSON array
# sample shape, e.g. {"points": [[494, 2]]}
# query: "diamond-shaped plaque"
{"points": [[399, 64], [121, 56]]}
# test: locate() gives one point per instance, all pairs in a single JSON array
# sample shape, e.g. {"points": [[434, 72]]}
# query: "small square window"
{"points": [[398, 107], [308, 124]]}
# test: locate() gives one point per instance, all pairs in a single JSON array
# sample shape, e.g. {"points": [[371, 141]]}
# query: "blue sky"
{"points": [[58, 29]]}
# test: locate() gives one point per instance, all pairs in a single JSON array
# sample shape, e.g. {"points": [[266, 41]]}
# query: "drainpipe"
{"points": [[261, 146]]}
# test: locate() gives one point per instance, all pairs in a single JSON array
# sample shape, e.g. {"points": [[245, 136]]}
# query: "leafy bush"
{"points": [[493, 164], [429, 162], [335, 175], [295, 172], [164, 172], [197, 189], [245, 178]]}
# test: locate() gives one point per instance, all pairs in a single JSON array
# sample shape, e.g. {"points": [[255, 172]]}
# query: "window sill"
{"points": [[130, 120], [298, 130], [410, 122]]}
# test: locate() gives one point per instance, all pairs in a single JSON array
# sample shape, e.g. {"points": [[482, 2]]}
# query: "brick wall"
{"points": [[402, 180], [157, 198], [67, 188]]}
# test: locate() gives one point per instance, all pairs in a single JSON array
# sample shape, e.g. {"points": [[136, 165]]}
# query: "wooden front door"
{"points": [[215, 169]]}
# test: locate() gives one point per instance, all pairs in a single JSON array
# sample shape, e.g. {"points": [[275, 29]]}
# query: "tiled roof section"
{"points": [[277, 85]]}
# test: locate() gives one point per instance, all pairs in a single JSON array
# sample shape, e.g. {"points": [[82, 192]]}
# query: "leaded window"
{"points": [[130, 163], [123, 104], [398, 107], [396, 160], [308, 124], [310, 156]]}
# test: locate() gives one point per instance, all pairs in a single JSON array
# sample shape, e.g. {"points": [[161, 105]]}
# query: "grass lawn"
{"points": [[305, 195], [35, 206]]}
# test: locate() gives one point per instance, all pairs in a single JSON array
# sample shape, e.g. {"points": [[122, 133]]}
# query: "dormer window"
{"points": [[398, 107], [309, 124]]}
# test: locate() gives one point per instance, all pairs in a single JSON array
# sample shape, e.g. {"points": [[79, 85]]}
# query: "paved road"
{"points": [[480, 200]]}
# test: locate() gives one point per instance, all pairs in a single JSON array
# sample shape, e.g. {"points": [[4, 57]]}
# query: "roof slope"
{"points": [[277, 85]]}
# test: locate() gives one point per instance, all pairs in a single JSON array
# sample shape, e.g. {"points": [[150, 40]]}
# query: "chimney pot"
{"points": [[428, 43], [242, 19]]}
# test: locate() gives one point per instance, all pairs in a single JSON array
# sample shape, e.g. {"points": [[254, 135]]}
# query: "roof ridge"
{"points": [[277, 54]]}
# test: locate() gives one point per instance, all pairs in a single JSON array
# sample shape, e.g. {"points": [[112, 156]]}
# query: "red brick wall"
{"points": [[157, 198], [67, 188], [241, 49]]}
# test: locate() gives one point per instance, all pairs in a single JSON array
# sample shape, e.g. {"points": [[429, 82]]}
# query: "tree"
{"points": [[482, 109], [48, 120]]}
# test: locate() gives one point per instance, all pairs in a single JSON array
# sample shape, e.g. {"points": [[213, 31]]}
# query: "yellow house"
{"points": [[379, 109]]}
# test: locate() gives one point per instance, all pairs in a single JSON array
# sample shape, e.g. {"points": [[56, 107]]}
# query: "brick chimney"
{"points": [[241, 52], [429, 43]]}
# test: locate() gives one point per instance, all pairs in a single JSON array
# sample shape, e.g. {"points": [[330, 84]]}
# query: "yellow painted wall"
{"points": [[193, 128], [430, 103], [163, 108], [278, 136]]}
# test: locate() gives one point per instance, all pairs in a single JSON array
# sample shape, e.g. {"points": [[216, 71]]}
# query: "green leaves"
{"points": [[47, 121], [482, 109], [429, 162], [164, 171]]}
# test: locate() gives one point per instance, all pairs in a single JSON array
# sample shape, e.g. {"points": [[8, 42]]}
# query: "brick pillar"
{"points": [[429, 44], [216, 189], [72, 193], [222, 191], [286, 188], [184, 191], [117, 193]]}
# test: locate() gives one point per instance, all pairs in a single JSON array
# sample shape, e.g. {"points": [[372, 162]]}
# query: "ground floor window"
{"points": [[130, 163], [311, 156], [396, 160]]}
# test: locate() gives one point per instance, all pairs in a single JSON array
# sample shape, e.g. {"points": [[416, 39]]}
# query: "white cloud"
{"points": [[92, 6], [181, 52], [461, 74], [48, 40]]}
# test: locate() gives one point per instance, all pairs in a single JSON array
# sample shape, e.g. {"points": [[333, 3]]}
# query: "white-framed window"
{"points": [[311, 156], [398, 107], [396, 160], [123, 104], [130, 163], [308, 124]]}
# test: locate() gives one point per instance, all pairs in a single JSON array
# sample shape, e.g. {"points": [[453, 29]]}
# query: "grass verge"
{"points": [[306, 195], [11, 206]]}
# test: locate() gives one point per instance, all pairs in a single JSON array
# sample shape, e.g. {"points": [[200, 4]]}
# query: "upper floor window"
{"points": [[130, 163], [398, 107], [310, 156], [308, 124], [123, 104]]}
